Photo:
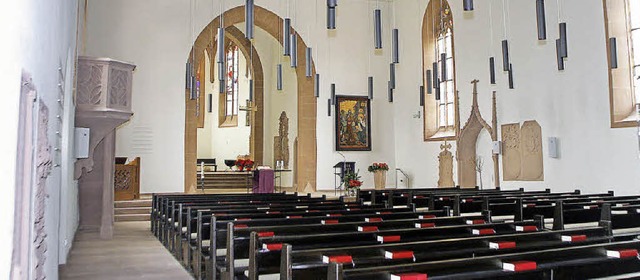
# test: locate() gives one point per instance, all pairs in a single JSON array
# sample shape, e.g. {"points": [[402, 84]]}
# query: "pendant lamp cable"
{"points": [[370, 19], [491, 50], [504, 18], [559, 11]]}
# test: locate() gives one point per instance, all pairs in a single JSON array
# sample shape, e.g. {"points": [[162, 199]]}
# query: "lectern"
{"points": [[339, 170]]}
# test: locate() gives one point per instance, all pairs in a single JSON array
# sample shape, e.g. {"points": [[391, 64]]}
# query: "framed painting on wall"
{"points": [[353, 123]]}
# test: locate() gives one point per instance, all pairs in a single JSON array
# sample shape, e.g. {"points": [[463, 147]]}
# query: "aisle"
{"points": [[132, 254]]}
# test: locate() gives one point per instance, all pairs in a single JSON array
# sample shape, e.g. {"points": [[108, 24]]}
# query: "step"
{"points": [[132, 217], [133, 210], [133, 203]]}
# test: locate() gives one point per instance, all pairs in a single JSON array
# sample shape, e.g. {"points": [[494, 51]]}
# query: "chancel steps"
{"points": [[132, 210]]}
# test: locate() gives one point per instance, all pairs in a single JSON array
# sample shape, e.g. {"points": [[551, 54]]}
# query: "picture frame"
{"points": [[352, 123]]}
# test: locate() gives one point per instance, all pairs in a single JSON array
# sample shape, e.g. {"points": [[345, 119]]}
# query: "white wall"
{"points": [[155, 35], [40, 36], [572, 105]]}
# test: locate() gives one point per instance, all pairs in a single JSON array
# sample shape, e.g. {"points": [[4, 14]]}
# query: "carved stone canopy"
{"points": [[466, 146]]}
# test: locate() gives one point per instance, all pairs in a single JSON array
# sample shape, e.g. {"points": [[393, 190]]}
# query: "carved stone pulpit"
{"points": [[103, 102]]}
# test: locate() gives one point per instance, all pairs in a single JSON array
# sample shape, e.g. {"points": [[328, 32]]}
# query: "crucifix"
{"points": [[250, 109]]}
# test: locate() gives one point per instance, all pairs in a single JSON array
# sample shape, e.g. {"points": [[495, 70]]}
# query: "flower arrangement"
{"points": [[244, 163], [378, 166], [351, 182]]}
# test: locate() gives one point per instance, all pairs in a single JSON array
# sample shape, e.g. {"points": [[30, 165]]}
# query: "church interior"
{"points": [[320, 139]]}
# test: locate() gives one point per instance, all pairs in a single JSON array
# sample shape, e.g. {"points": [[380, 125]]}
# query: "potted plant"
{"points": [[379, 170], [351, 183]]}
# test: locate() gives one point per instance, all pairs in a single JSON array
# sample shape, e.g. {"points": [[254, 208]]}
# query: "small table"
{"points": [[278, 178]]}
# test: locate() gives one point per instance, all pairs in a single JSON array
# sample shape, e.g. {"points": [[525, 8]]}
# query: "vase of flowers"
{"points": [[352, 183], [243, 164], [379, 170]]}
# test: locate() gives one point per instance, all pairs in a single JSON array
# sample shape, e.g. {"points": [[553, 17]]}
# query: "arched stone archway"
{"points": [[306, 157]]}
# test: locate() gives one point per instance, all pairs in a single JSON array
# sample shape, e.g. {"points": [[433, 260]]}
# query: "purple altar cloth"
{"points": [[263, 181]]}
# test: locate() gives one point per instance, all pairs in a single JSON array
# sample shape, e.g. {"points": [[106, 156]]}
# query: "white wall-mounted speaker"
{"points": [[496, 147], [554, 147], [81, 142]]}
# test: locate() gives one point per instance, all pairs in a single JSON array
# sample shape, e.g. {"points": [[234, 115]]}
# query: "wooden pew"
{"points": [[579, 262], [304, 263]]}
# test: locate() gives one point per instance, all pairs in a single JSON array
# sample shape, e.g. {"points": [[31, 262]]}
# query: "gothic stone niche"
{"points": [[446, 166], [467, 142], [522, 152], [281, 142]]}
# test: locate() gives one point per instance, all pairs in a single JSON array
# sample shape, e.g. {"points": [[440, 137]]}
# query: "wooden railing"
{"points": [[126, 180]]}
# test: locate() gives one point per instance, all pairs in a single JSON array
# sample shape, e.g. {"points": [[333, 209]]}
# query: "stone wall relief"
{"points": [[281, 142], [522, 152]]}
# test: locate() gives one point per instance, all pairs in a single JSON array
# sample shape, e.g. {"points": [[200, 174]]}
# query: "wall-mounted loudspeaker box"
{"points": [[554, 147], [81, 142], [496, 147]]}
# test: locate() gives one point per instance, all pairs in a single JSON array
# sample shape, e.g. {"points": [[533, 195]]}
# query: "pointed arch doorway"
{"points": [[305, 157]]}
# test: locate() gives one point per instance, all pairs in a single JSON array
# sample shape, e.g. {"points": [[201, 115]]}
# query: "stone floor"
{"points": [[134, 253]]}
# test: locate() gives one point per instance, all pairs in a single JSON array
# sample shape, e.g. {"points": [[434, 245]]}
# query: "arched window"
{"points": [[623, 27], [229, 101], [440, 112], [231, 107]]}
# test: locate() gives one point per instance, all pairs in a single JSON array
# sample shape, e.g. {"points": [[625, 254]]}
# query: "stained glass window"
{"points": [[444, 45], [231, 108]]}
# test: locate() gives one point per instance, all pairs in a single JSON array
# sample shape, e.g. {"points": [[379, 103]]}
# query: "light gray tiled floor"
{"points": [[134, 253]]}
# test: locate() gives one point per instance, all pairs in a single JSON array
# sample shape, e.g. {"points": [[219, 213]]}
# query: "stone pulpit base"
{"points": [[103, 103]]}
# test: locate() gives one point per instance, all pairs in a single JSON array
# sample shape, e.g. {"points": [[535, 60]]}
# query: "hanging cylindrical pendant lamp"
{"points": [[316, 86], [613, 52], [505, 55], [279, 77], [251, 90], [492, 70], [559, 57], [333, 94], [193, 93], [248, 18], [392, 75], [370, 87], [377, 25], [286, 37], [467, 5], [329, 104], [308, 63], [331, 18], [210, 105], [443, 60], [563, 40], [331, 13], [421, 96], [222, 87], [429, 81], [437, 90], [390, 92], [220, 45], [510, 76], [435, 76], [396, 50], [294, 50], [187, 78], [541, 20]]}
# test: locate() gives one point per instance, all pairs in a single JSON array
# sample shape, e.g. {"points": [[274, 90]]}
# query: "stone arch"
{"points": [[306, 158], [467, 139]]}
